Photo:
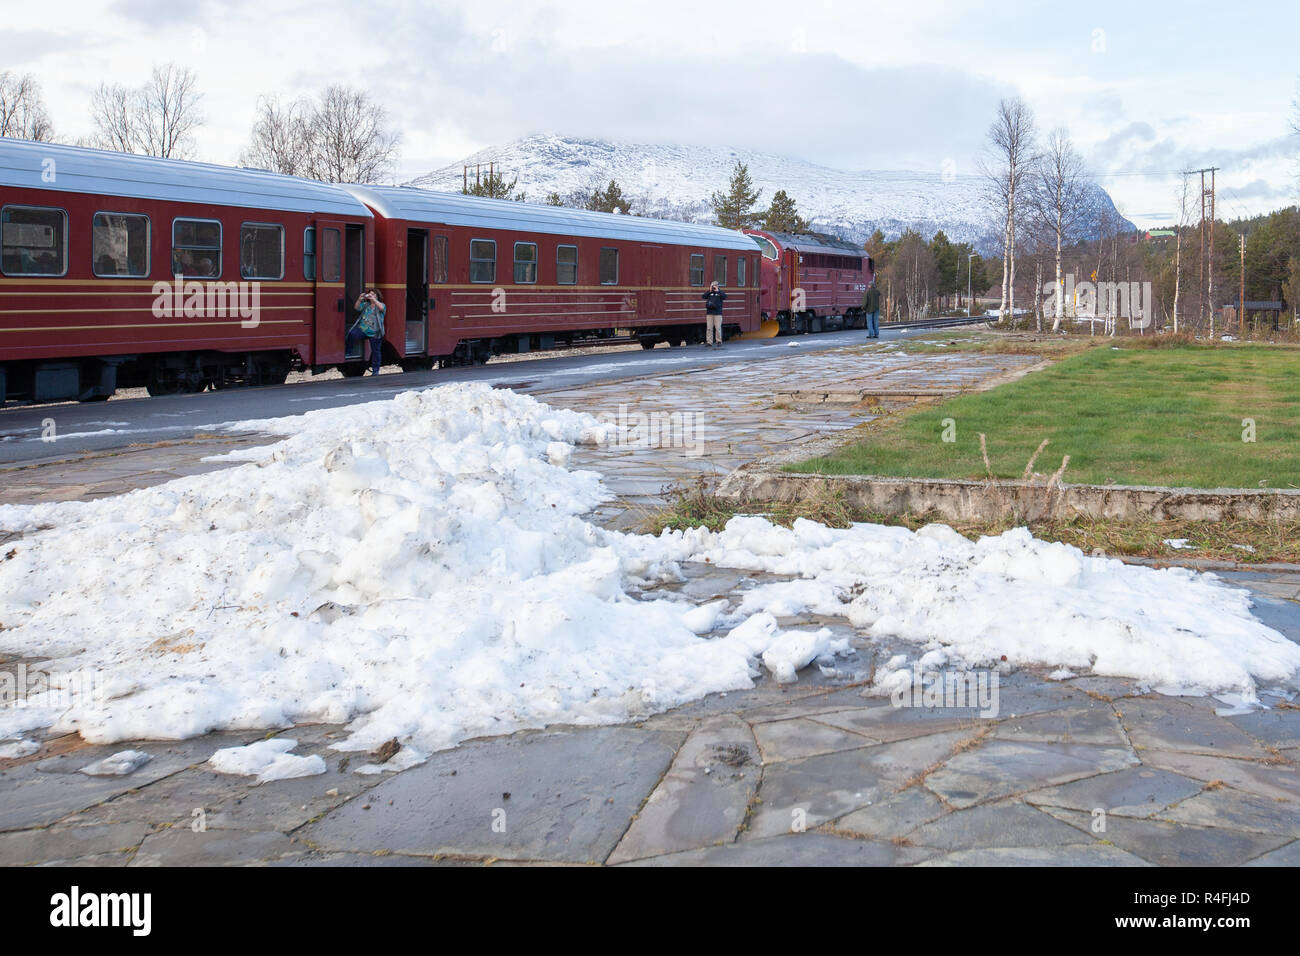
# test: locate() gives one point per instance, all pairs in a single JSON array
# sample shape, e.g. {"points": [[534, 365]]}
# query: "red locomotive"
{"points": [[811, 282]]}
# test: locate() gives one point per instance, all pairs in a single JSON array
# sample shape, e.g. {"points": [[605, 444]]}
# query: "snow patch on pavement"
{"points": [[267, 760], [118, 764]]}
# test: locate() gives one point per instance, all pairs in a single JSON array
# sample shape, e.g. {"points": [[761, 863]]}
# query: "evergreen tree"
{"points": [[734, 209], [553, 199], [609, 199], [946, 264], [493, 185], [783, 216]]}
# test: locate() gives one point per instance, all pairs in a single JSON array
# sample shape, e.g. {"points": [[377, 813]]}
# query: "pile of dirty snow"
{"points": [[420, 568]]}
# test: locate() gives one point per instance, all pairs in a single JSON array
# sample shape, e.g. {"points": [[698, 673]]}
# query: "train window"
{"points": [[755, 273], [765, 247], [482, 260], [697, 268], [439, 258], [119, 245], [331, 255], [309, 253], [566, 265], [720, 270], [261, 251], [608, 266], [525, 262], [35, 241], [740, 271], [196, 248]]}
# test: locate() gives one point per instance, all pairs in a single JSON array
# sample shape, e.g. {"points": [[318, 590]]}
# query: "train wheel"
{"points": [[353, 369], [160, 383], [275, 375], [648, 344]]}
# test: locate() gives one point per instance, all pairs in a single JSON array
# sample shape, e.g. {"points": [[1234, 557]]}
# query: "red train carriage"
{"points": [[91, 247], [466, 278], [812, 283]]}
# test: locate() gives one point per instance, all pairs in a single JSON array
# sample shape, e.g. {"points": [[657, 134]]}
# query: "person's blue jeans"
{"points": [[376, 346], [873, 325]]}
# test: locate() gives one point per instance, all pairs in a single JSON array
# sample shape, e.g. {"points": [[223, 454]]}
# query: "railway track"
{"points": [[942, 322]]}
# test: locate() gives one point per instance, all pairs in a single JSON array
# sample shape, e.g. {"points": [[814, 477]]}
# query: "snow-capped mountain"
{"points": [[676, 182]]}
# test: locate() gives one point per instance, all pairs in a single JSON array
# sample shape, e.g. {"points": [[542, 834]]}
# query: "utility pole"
{"points": [[1241, 307], [969, 304], [1207, 268]]}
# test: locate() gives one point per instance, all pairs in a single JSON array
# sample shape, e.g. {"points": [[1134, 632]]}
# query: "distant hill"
{"points": [[676, 182]]}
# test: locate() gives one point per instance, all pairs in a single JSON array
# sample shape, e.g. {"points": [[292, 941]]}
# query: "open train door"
{"points": [[417, 291], [331, 296]]}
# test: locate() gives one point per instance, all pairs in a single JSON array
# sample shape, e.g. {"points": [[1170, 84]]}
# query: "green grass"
{"points": [[1131, 416]]}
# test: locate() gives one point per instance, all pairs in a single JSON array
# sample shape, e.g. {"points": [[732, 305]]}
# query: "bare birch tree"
{"points": [[1011, 142], [157, 119], [342, 137], [281, 137], [350, 140], [22, 109], [1057, 193]]}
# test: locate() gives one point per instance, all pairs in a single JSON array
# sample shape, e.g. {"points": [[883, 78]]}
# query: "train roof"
{"points": [[457, 209], [817, 242], [76, 169]]}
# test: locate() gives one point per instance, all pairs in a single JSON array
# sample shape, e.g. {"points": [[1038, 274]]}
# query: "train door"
{"points": [[354, 277], [417, 290], [656, 276], [438, 340], [331, 305]]}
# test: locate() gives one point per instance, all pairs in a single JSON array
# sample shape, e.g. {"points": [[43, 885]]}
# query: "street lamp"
{"points": [[968, 297]]}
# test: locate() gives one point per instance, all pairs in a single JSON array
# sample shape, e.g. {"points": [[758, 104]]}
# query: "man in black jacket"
{"points": [[713, 300], [871, 311]]}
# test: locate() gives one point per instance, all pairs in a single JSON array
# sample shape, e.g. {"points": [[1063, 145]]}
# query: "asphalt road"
{"points": [[77, 428]]}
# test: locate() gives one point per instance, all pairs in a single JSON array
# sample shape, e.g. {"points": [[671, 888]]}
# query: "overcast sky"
{"points": [[1145, 89]]}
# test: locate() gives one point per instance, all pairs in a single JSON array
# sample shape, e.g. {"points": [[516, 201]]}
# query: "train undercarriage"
{"points": [[179, 373]]}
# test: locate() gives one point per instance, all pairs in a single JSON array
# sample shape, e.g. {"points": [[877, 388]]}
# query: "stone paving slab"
{"points": [[561, 795], [803, 849], [817, 790], [893, 816], [1169, 723], [1005, 824], [1238, 811], [1094, 723], [37, 793], [110, 844], [703, 798], [1281, 780], [1135, 792], [792, 739], [1074, 855], [183, 847], [1288, 855], [999, 768], [1169, 844]]}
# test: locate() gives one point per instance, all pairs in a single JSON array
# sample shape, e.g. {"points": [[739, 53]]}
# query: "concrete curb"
{"points": [[957, 500]]}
